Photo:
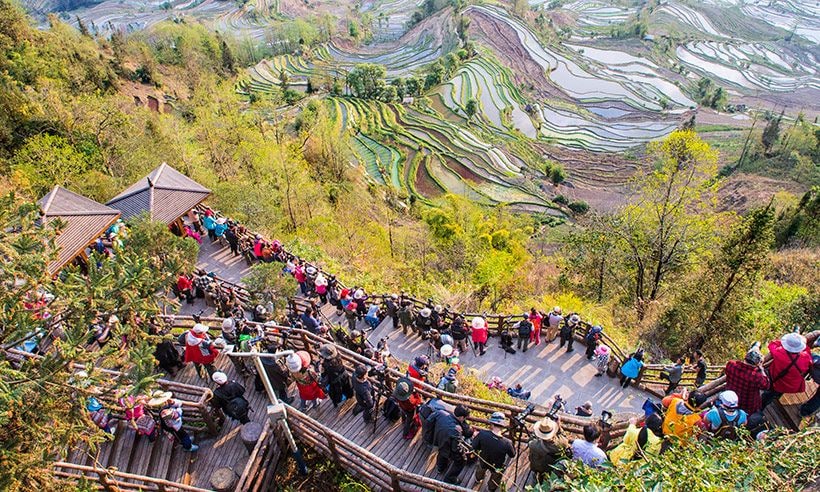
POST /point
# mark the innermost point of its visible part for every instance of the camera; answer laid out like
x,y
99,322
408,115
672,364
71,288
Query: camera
x,y
606,419
558,404
522,417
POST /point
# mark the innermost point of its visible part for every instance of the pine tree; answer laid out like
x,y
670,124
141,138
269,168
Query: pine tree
x,y
771,133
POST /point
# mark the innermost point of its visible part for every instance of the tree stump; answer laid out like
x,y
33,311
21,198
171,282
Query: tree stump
x,y
223,479
250,435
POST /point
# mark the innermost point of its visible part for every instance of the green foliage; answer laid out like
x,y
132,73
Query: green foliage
x,y
557,174
580,207
266,282
366,80
165,251
711,95
46,160
471,108
42,403
781,462
771,133
800,225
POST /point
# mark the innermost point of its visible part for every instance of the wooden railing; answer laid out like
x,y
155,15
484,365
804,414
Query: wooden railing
x,y
112,480
480,409
200,415
381,474
262,463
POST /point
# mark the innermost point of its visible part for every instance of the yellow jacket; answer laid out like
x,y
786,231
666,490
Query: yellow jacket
x,y
627,449
678,425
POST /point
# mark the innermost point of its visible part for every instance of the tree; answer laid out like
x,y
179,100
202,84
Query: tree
x,y
42,399
471,108
520,7
771,133
228,60
366,80
670,221
557,174
46,160
283,79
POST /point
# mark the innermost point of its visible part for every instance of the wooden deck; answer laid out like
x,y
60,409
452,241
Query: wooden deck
x,y
162,459
414,456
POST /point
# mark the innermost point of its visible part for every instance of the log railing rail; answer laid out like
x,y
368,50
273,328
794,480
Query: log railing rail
x,y
261,467
113,480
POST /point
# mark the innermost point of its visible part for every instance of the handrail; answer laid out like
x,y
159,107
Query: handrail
x,y
369,466
104,477
301,339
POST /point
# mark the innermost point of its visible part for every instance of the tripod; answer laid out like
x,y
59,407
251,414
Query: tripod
x,y
519,428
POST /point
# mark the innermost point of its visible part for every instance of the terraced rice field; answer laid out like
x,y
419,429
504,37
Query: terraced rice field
x,y
689,17
490,84
134,15
430,156
801,16
596,13
748,66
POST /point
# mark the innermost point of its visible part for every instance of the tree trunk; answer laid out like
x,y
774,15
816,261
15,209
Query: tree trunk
x,y
601,279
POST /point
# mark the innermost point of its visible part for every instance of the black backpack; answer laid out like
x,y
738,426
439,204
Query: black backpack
x,y
237,408
728,428
391,409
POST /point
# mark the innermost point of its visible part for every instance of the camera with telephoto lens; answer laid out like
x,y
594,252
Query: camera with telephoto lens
x,y
558,404
522,417
606,419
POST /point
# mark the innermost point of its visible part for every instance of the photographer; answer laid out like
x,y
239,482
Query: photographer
x,y
459,333
524,331
547,448
409,401
492,450
406,316
229,396
479,334
424,323
568,331
392,310
364,393
448,435
334,375
277,372
418,369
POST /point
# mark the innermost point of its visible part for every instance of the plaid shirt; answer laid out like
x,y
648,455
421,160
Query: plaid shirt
x,y
747,381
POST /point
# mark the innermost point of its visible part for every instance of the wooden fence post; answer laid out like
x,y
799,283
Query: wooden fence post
x,y
394,481
331,443
208,416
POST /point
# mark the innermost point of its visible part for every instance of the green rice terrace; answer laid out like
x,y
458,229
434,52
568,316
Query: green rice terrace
x,y
491,96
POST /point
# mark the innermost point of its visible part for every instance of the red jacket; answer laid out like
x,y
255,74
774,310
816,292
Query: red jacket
x,y
480,334
184,283
194,352
793,380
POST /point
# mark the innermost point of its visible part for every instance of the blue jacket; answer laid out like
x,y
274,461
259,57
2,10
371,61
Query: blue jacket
x,y
632,368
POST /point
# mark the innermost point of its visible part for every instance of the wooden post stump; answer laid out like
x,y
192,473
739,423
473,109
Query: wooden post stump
x,y
250,434
223,479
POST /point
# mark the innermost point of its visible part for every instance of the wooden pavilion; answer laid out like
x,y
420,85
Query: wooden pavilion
x,y
84,221
165,194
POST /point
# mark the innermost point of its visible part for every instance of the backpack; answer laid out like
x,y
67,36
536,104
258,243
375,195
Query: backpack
x,y
146,425
237,408
728,428
391,410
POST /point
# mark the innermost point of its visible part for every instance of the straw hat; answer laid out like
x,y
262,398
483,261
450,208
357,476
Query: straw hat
x,y
159,397
545,429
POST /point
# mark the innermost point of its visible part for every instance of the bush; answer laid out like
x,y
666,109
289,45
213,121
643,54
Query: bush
x,y
580,207
561,200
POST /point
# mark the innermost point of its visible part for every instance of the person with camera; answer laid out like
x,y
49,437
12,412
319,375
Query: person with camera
x,y
408,401
524,327
568,331
586,450
406,316
459,333
492,450
639,441
547,448
334,375
791,362
200,350
682,415
363,389
748,378
424,323
277,372
449,436
418,369
631,368
392,310
554,319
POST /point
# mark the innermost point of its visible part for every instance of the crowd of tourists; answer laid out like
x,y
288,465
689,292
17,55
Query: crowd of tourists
x,y
736,413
